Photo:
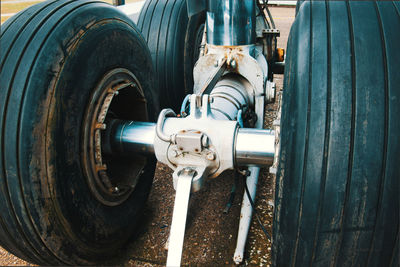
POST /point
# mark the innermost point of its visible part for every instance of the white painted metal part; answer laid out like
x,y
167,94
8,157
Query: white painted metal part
x,y
245,214
190,156
200,120
242,85
178,225
250,64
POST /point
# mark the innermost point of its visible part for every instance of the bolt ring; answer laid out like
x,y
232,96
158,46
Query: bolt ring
x,y
106,178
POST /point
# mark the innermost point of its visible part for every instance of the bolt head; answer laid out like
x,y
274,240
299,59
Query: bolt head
x,y
210,156
233,64
101,126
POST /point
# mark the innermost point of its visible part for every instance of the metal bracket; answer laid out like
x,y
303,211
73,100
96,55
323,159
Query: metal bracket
x,y
214,76
275,32
270,91
189,141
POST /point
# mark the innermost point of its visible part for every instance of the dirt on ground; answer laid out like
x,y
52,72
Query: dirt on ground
x,y
210,238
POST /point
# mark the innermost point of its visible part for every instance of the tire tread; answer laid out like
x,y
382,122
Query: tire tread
x,y
18,232
164,24
331,211
30,244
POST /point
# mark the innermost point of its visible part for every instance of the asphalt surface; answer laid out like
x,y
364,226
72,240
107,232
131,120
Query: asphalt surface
x,y
210,238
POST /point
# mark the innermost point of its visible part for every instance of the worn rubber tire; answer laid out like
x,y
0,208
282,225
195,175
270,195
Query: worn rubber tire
x,y
52,56
337,189
298,5
174,41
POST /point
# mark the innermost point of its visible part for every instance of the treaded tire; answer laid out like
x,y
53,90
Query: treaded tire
x,y
174,41
52,56
337,190
298,5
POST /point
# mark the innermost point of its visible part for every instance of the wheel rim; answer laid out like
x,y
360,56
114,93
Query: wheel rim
x,y
112,179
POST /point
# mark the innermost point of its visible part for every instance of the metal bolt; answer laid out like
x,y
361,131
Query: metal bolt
x,y
188,171
210,156
233,64
101,126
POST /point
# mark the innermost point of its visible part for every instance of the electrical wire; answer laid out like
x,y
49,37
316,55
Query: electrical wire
x,y
264,6
232,194
270,17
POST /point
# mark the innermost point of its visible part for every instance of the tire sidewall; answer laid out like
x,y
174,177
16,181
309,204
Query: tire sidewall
x,y
191,52
77,53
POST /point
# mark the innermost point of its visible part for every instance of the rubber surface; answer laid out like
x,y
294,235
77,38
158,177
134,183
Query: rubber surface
x,y
173,40
337,191
298,4
52,55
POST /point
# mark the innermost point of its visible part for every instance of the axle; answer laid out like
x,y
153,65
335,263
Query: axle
x,y
252,147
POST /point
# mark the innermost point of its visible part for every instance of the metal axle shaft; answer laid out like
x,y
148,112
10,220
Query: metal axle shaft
x,y
253,147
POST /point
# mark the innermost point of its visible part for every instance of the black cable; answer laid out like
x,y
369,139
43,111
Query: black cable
x,y
255,211
270,17
232,195
261,8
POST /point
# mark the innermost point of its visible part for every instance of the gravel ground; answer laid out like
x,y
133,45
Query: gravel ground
x,y
210,237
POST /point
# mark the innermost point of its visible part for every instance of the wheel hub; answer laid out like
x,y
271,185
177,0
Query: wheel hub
x,y
112,178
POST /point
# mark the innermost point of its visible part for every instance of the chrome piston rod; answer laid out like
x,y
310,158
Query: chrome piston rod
x,y
253,147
